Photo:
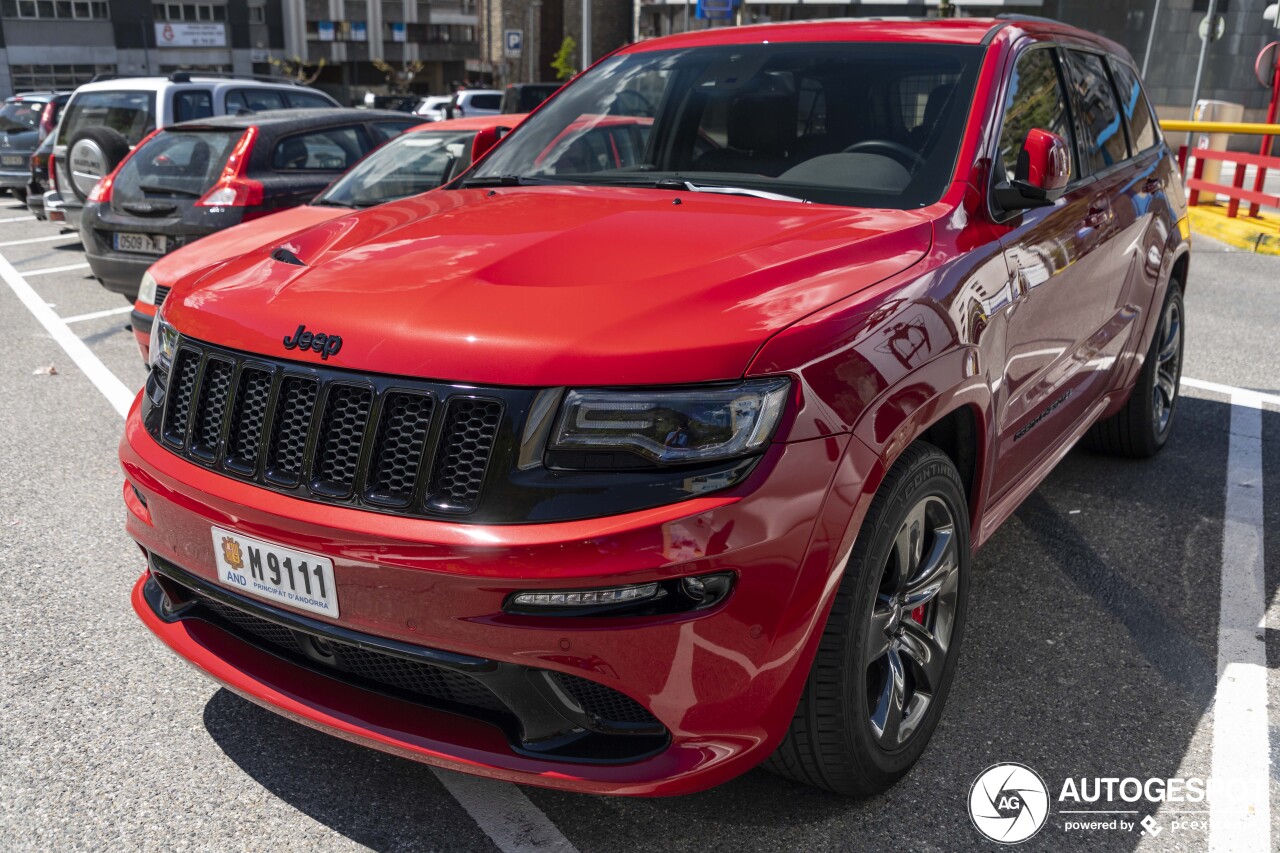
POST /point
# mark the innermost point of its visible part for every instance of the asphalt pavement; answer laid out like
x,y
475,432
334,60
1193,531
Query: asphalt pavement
x,y
1092,648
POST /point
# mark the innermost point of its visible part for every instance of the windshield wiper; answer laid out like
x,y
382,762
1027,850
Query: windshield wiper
x,y
509,181
332,202
715,188
686,186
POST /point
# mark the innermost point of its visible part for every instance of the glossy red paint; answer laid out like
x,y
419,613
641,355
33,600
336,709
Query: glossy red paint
x,y
888,322
210,252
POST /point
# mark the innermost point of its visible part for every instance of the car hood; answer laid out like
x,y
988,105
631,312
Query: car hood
x,y
545,286
223,246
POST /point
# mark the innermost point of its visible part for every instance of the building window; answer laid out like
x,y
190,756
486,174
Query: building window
x,y
189,12
41,78
80,10
257,14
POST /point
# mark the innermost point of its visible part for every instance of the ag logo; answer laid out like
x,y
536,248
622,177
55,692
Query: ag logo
x,y
1008,803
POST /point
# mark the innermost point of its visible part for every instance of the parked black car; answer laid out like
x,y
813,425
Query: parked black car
x,y
25,120
523,97
198,177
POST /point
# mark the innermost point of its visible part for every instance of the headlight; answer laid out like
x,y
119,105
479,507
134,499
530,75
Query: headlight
x,y
147,290
666,426
164,343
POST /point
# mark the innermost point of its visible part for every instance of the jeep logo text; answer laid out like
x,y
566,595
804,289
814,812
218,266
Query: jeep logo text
x,y
326,345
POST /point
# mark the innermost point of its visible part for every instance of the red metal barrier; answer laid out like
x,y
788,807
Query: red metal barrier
x,y
1236,191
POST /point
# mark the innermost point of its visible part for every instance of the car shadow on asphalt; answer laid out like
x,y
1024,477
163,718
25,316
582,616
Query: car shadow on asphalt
x,y
1090,651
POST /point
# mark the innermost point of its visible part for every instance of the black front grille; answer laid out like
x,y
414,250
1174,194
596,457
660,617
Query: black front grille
x,y
431,683
602,702
331,435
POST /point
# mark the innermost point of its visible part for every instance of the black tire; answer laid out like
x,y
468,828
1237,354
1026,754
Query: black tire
x,y
102,146
1142,427
832,742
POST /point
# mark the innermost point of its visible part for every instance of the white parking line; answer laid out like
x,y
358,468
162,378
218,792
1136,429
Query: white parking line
x,y
72,236
17,218
97,315
1244,396
1241,822
116,392
505,814
500,809
47,270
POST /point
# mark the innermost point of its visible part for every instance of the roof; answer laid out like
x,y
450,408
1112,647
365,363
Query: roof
x,y
150,84
973,31
937,30
294,118
471,123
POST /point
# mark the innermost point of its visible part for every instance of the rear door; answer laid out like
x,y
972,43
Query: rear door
x,y
299,165
1063,278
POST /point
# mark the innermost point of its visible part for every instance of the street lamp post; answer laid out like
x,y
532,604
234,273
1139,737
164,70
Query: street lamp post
x,y
586,34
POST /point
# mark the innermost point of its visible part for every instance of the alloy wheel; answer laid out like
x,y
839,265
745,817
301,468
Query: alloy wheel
x,y
912,621
1164,391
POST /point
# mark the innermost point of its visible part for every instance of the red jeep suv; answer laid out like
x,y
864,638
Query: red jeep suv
x,y
627,462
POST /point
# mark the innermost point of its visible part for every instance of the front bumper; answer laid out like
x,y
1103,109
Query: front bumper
x,y
722,683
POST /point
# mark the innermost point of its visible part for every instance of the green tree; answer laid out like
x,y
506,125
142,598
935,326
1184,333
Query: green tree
x,y
563,62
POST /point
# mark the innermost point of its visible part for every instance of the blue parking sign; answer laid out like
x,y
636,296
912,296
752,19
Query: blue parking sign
x,y
512,43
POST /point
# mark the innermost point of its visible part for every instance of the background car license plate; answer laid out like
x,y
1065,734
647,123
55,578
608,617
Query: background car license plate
x,y
11,160
275,573
151,244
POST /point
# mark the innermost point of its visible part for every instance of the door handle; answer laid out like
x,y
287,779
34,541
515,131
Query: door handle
x,y
1098,215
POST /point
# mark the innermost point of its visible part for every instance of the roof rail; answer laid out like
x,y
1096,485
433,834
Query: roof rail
x,y
186,77
1038,19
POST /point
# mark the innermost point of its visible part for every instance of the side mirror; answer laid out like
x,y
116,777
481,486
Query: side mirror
x,y
486,139
1042,173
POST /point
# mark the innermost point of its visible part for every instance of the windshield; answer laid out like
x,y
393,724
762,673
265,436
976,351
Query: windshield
x,y
175,165
858,124
411,164
20,116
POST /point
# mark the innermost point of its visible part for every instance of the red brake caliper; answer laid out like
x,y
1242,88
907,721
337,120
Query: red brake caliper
x,y
918,614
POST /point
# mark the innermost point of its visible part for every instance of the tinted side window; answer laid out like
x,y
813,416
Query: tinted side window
x,y
256,100
1102,142
384,130
192,104
308,101
486,102
1142,123
1035,99
333,150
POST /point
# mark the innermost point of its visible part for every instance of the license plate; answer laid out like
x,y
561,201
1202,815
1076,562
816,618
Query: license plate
x,y
150,244
11,160
275,573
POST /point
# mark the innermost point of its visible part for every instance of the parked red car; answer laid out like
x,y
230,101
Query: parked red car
x,y
627,479
420,159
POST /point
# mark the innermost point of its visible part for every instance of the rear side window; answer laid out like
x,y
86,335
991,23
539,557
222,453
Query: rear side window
x,y
1142,123
308,101
485,102
175,164
254,101
192,104
384,130
335,149
1102,142
130,114
1036,99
